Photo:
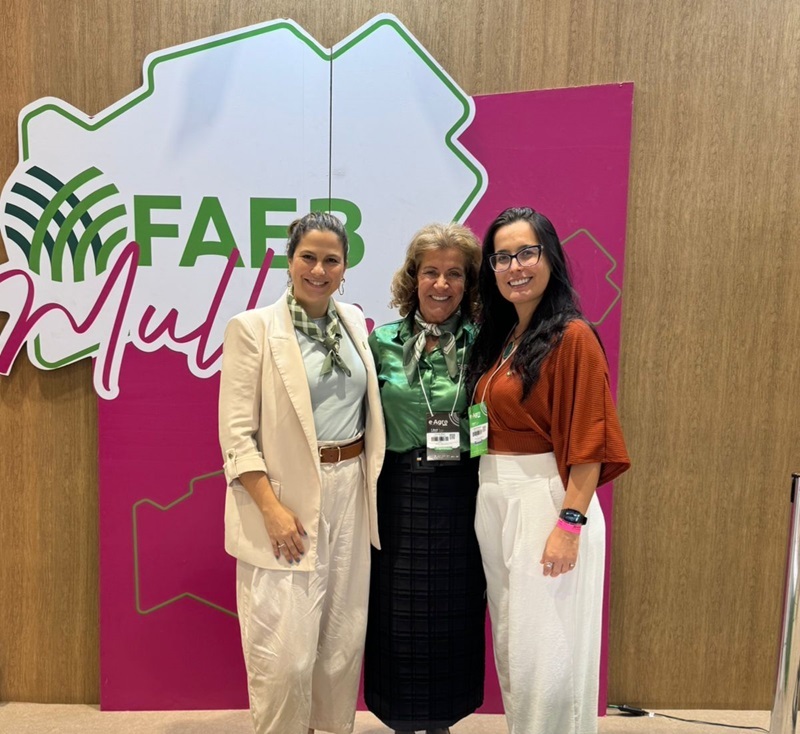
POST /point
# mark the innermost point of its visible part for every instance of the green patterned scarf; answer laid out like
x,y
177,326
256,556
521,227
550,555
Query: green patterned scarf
x,y
330,338
414,345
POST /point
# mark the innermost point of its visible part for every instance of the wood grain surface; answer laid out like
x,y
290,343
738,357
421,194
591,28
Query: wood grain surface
x,y
710,369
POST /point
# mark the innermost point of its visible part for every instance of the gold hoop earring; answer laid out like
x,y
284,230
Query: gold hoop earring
x,y
341,287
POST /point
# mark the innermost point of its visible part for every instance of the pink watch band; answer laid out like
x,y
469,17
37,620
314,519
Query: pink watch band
x,y
569,527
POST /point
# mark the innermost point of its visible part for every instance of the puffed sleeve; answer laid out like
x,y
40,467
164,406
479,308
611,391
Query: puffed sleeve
x,y
375,348
240,400
585,428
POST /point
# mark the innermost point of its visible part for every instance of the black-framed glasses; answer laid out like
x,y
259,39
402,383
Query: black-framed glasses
x,y
527,256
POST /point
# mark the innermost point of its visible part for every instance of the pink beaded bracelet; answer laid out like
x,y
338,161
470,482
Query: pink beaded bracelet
x,y
569,527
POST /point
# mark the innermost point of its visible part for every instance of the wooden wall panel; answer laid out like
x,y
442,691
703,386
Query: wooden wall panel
x,y
48,536
709,381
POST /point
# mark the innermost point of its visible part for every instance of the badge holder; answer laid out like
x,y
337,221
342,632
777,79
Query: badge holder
x,y
442,430
478,430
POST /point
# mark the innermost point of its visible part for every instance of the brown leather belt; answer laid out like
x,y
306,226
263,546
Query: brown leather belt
x,y
335,454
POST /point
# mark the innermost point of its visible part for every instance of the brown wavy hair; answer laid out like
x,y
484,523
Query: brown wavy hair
x,y
428,239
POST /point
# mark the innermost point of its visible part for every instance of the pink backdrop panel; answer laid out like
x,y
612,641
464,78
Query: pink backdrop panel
x,y
168,625
169,633
566,153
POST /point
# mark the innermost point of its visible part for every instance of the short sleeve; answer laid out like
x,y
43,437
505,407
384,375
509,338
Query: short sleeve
x,y
585,427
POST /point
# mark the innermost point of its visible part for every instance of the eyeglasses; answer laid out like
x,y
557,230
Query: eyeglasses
x,y
530,255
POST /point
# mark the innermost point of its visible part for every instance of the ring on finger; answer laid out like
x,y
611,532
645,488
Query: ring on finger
x,y
549,564
572,565
281,545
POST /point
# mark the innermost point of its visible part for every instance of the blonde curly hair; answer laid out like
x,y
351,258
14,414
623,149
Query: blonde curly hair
x,y
428,239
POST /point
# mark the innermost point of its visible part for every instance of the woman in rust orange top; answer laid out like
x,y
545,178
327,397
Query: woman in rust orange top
x,y
541,379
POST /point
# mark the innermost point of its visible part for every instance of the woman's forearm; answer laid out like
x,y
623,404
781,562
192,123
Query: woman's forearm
x,y
259,488
581,486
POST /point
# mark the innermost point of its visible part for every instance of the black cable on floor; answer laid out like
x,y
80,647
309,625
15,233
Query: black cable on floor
x,y
634,711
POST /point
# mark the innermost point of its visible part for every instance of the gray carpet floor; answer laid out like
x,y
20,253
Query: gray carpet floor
x,y
30,718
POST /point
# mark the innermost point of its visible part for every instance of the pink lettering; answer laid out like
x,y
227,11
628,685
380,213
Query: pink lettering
x,y
203,332
124,270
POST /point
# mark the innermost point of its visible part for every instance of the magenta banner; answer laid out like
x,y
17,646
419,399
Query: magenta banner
x,y
565,152
170,637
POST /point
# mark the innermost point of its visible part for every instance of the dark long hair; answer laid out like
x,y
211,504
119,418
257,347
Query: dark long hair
x,y
559,305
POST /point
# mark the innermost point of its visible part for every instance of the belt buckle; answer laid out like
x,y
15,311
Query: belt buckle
x,y
420,463
326,448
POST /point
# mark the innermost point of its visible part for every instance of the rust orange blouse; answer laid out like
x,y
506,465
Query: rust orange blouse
x,y
569,410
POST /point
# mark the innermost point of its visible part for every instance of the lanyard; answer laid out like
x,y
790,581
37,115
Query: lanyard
x,y
497,369
458,389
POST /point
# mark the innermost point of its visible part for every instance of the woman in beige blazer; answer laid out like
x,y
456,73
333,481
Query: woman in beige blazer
x,y
301,431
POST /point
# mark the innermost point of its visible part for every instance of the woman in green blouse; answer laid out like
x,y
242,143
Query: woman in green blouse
x,y
424,660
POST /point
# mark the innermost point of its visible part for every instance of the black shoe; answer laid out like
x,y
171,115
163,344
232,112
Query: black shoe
x,y
446,730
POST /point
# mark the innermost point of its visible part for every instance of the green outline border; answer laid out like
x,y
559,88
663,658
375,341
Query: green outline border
x,y
613,267
431,63
150,81
296,30
185,595
42,362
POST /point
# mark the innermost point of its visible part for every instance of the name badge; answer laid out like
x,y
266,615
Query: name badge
x,y
478,430
443,438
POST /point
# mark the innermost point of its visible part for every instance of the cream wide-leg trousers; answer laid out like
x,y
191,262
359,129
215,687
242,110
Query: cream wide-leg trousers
x,y
303,632
546,631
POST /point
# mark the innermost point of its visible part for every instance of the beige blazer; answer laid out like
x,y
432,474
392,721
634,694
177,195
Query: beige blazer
x,y
266,424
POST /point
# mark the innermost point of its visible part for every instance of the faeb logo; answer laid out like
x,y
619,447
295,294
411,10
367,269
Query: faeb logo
x,y
45,217
211,217
153,222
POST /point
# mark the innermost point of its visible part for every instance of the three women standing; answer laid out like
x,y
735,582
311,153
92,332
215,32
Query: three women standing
x,y
424,663
541,379
301,429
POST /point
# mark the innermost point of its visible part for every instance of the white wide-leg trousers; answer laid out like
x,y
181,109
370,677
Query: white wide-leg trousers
x,y
546,631
303,632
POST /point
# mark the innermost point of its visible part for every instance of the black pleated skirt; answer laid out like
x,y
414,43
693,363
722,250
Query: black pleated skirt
x,y
424,658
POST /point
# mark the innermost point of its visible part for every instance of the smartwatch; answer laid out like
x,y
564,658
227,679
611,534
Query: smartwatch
x,y
573,517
